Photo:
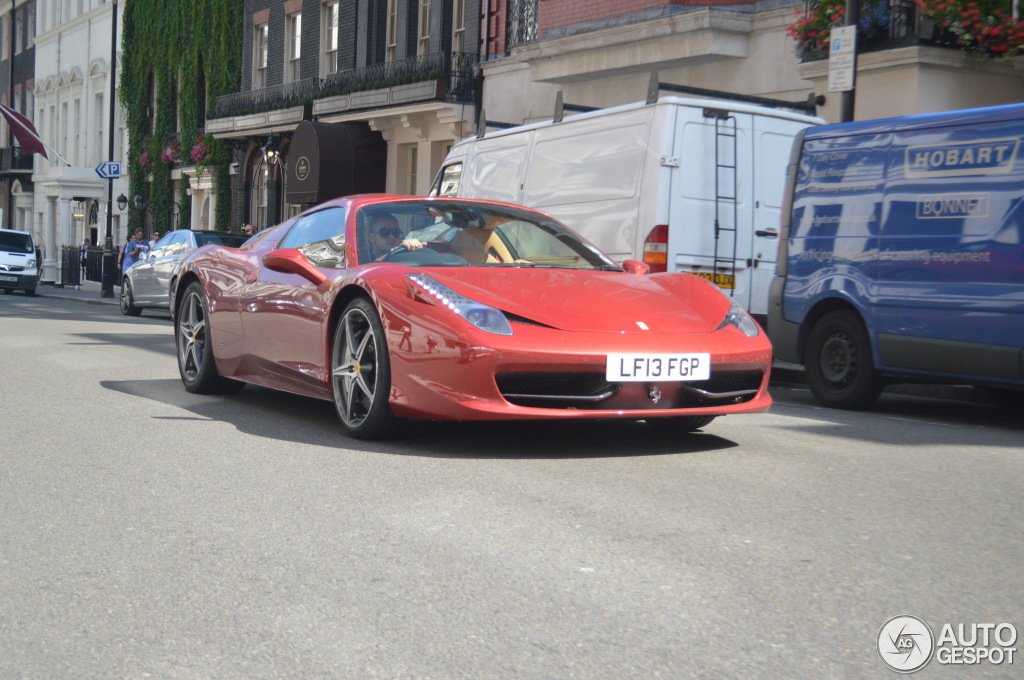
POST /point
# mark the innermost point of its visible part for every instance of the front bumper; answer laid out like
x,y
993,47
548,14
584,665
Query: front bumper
x,y
21,281
545,374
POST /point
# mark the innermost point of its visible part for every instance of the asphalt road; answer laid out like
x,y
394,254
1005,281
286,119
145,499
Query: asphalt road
x,y
149,533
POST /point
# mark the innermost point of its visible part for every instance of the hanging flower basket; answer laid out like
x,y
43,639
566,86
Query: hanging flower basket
x,y
199,151
811,29
171,154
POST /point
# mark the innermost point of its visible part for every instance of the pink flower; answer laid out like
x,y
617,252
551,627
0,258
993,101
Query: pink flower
x,y
199,151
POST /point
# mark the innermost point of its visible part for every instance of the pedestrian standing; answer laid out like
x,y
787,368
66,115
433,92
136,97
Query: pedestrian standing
x,y
83,253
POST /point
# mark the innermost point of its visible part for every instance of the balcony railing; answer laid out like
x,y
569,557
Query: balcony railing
x,y
11,158
266,99
887,26
454,69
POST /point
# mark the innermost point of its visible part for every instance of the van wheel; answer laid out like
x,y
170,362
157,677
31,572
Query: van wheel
x,y
840,371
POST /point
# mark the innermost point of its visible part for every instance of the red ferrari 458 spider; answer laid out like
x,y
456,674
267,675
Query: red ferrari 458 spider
x,y
402,308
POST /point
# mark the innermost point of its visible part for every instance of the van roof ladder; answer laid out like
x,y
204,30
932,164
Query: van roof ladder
x,y
809,107
482,124
561,107
726,195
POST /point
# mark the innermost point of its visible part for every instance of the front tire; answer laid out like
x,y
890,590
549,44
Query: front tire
x,y
195,349
840,371
361,373
128,307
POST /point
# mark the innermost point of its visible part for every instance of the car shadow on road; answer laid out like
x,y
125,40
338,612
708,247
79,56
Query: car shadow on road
x,y
959,416
272,414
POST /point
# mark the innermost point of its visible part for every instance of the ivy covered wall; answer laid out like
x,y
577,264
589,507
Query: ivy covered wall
x,y
177,58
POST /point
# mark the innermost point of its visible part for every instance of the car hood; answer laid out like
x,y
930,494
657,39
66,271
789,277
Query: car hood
x,y
581,300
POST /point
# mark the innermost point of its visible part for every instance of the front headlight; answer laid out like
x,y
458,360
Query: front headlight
x,y
31,264
484,317
737,316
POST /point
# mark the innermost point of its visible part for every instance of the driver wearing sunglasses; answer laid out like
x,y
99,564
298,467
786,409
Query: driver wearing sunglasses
x,y
386,235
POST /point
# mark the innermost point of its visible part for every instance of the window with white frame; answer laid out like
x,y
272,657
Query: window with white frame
x,y
259,56
329,39
459,26
5,32
423,39
391,48
293,47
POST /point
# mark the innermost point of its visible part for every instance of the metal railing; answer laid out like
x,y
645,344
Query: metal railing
x,y
94,265
522,22
266,98
890,25
454,69
11,158
70,266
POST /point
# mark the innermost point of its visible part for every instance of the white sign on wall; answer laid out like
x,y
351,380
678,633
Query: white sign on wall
x,y
842,57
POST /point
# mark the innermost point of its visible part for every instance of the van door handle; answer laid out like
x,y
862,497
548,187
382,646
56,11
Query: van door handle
x,y
765,232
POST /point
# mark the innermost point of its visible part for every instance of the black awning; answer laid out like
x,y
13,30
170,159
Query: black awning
x,y
328,160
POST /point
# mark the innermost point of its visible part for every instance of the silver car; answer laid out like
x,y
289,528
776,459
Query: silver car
x,y
148,282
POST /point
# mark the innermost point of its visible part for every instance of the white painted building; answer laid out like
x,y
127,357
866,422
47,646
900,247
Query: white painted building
x,y
72,113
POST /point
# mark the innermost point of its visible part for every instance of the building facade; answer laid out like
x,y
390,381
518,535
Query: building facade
x,y
396,79
602,53
17,77
71,94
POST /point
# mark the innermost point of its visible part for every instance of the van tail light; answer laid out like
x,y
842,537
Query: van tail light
x,y
656,249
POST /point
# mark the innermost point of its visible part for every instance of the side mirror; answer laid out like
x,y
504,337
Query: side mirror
x,y
291,261
636,267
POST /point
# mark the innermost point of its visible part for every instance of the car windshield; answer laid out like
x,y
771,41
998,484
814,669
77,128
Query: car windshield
x,y
15,243
230,240
449,233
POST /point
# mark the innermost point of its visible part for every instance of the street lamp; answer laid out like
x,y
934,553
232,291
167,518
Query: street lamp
x,y
270,151
140,203
109,261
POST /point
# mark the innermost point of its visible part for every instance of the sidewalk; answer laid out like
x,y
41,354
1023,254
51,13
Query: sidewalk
x,y
88,292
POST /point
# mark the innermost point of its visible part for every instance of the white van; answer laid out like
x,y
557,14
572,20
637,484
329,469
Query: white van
x,y
18,262
683,184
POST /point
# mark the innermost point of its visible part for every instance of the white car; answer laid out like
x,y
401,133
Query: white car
x,y
148,283
18,264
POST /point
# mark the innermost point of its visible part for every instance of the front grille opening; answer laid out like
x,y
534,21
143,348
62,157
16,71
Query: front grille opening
x,y
567,390
555,390
722,388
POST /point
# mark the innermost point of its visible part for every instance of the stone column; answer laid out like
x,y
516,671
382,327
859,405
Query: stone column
x,y
50,239
64,225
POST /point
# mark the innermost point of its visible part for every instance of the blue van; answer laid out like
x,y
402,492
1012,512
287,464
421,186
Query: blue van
x,y
901,257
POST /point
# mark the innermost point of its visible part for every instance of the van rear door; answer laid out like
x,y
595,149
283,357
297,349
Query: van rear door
x,y
709,212
772,142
